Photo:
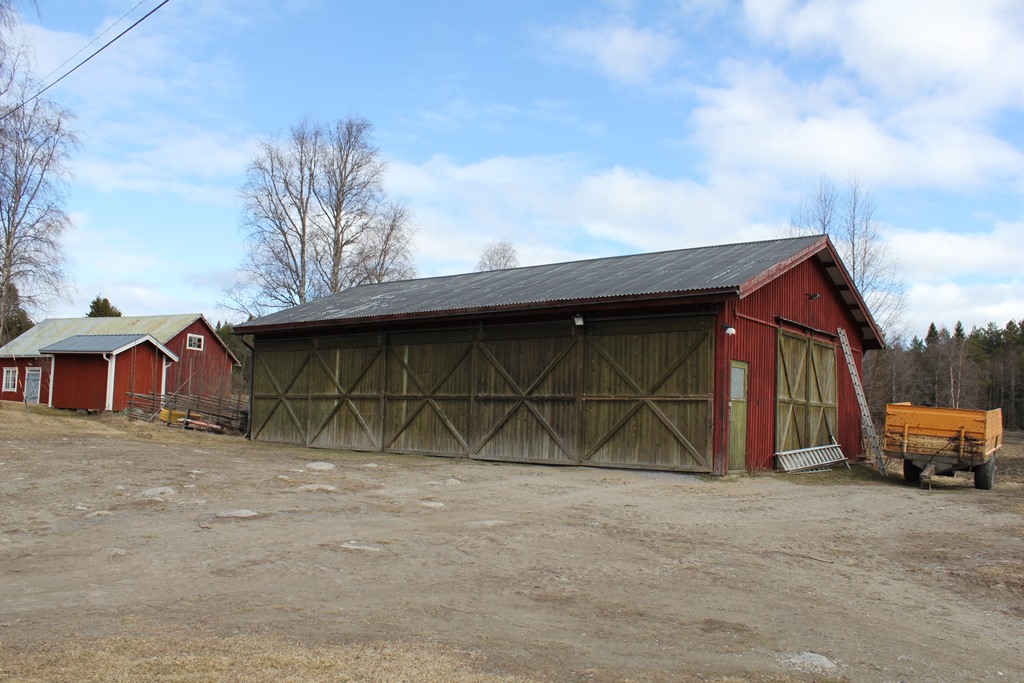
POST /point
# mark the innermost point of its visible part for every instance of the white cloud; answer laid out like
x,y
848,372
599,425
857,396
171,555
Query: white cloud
x,y
148,108
974,305
760,119
624,54
910,48
936,256
558,208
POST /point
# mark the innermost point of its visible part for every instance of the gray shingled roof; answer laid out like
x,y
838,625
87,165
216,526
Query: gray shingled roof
x,y
102,343
724,268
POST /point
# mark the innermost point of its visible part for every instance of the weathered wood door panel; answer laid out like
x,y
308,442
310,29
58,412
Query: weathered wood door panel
x,y
620,394
346,381
525,402
806,394
280,391
648,394
428,392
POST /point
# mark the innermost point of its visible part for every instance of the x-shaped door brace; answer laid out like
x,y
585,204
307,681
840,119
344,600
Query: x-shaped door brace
x,y
281,393
345,398
792,378
644,400
523,397
429,400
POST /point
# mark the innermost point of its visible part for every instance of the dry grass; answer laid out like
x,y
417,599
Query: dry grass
x,y
859,473
175,659
262,659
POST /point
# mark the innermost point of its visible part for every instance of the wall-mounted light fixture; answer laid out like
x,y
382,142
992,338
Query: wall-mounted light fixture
x,y
729,330
813,295
578,319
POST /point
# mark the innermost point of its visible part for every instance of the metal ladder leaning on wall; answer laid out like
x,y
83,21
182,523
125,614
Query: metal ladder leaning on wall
x,y
867,426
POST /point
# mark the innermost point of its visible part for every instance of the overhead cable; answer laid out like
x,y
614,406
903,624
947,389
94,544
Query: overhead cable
x,y
82,63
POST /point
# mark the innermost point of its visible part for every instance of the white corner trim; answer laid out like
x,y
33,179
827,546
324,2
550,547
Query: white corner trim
x,y
111,369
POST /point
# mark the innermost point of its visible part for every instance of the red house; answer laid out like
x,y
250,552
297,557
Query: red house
x,y
710,359
169,354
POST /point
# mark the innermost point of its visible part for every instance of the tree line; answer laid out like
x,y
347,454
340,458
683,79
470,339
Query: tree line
x,y
980,369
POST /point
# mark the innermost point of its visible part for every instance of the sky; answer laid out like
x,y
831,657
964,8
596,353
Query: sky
x,y
573,129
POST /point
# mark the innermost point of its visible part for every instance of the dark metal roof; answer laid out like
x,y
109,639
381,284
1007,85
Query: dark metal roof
x,y
723,268
103,343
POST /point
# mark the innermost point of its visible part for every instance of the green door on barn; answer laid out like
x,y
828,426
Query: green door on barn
x,y
647,394
806,396
738,414
428,393
321,392
525,394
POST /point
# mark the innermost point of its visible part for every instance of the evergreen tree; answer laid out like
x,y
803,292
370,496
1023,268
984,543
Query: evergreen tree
x,y
14,319
100,307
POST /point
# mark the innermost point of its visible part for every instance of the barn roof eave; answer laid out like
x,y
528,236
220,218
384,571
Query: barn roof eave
x,y
577,305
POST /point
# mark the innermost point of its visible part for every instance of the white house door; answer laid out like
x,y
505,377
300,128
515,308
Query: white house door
x,y
32,376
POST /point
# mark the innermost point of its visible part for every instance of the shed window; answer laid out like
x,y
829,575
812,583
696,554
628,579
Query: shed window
x,y
194,342
10,379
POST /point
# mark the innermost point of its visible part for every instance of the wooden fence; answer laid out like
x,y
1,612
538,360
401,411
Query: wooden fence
x,y
228,412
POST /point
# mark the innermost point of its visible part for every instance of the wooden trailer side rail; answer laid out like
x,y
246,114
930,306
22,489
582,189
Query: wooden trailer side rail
x,y
944,434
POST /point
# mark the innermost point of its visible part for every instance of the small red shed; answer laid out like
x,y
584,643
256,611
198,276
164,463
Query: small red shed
x,y
97,371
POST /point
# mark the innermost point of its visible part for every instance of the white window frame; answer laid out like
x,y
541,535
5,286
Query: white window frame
x,y
191,339
10,379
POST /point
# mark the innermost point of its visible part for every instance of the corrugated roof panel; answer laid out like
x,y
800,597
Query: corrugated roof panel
x,y
721,267
92,343
52,330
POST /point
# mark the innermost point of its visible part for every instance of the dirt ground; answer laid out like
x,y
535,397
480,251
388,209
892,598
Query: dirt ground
x,y
125,555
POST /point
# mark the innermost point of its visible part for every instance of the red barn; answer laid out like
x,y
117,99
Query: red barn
x,y
701,360
201,363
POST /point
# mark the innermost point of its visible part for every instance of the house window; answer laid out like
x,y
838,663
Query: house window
x,y
10,379
194,342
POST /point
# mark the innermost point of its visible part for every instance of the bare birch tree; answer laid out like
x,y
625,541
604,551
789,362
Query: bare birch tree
x,y
350,194
385,252
847,214
318,219
36,140
279,220
498,255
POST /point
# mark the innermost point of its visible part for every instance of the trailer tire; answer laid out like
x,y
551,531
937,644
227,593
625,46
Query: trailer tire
x,y
911,472
985,474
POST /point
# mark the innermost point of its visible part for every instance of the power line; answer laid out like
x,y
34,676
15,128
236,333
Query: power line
x,y
83,62
86,46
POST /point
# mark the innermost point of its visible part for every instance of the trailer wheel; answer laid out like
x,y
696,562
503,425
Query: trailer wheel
x,y
911,472
985,474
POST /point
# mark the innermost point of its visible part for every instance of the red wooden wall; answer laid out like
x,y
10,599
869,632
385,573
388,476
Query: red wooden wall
x,y
755,341
80,382
22,364
199,373
138,370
